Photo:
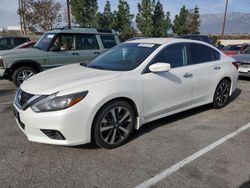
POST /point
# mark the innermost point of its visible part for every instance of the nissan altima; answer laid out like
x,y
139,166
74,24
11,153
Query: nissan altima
x,y
131,84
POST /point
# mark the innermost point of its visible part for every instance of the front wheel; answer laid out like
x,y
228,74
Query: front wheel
x,y
113,125
22,74
221,95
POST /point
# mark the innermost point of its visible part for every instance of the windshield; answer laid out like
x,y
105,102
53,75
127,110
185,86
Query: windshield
x,y
232,47
44,42
124,57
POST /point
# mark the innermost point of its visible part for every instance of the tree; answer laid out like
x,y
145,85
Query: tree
x,y
105,19
40,14
46,14
160,21
144,18
168,21
122,20
194,21
85,12
180,22
187,22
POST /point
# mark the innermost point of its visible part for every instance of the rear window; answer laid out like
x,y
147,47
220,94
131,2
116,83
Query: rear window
x,y
201,54
18,41
108,41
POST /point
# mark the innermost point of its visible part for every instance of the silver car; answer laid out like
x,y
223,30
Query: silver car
x,y
243,60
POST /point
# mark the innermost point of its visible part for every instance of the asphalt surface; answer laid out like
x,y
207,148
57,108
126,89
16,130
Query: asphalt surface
x,y
155,147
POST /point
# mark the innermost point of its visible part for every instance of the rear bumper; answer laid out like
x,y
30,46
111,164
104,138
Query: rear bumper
x,y
244,74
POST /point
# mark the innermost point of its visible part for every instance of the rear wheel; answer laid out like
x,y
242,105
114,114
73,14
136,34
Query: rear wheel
x,y
221,94
22,74
113,125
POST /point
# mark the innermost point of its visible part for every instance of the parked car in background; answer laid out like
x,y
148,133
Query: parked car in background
x,y
10,42
133,83
235,49
219,46
232,49
55,48
203,38
29,44
243,61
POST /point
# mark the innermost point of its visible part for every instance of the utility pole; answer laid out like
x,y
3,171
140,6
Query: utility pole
x,y
224,21
68,14
20,15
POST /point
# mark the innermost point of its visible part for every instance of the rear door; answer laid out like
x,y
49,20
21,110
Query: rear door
x,y
87,47
206,70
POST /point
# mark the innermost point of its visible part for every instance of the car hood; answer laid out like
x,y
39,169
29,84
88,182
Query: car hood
x,y
244,58
59,79
25,52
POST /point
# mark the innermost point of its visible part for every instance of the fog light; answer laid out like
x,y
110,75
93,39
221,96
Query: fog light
x,y
53,134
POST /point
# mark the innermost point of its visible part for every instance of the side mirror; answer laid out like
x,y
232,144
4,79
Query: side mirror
x,y
160,67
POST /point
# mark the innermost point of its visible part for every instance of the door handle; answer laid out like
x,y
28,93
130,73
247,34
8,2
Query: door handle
x,y
188,75
75,53
96,52
217,67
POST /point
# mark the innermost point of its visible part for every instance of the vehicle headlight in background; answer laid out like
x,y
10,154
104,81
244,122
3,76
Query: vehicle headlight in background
x,y
54,103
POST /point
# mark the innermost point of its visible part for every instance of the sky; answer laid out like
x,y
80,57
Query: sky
x,y
9,17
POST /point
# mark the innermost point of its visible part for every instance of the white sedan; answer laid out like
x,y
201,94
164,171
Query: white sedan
x,y
131,84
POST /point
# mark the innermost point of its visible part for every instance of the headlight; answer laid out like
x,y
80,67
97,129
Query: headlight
x,y
54,103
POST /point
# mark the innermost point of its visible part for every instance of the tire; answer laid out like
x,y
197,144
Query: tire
x,y
113,124
21,74
221,95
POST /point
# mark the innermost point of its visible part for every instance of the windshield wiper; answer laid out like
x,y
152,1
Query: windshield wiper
x,y
83,64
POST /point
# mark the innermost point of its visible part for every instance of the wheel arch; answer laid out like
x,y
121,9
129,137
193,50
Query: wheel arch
x,y
27,63
126,99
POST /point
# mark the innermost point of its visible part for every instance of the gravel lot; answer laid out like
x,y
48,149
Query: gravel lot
x,y
154,148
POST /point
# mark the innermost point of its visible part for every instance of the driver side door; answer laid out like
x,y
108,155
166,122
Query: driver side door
x,y
65,52
166,92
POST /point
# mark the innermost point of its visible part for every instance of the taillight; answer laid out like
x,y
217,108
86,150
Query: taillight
x,y
1,63
236,65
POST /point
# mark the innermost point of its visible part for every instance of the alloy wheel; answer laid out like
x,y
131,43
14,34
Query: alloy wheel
x,y
222,94
115,125
24,75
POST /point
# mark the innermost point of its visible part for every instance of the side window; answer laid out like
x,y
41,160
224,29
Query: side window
x,y
247,51
201,53
63,42
175,55
108,41
86,42
5,42
18,41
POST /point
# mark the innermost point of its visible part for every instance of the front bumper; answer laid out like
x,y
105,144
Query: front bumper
x,y
73,123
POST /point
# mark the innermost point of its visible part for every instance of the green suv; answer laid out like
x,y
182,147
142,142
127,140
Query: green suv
x,y
55,48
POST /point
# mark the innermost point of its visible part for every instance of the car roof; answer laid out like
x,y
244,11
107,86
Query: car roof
x,y
12,36
83,30
163,40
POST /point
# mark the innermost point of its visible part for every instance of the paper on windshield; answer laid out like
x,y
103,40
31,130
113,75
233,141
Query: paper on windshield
x,y
147,45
